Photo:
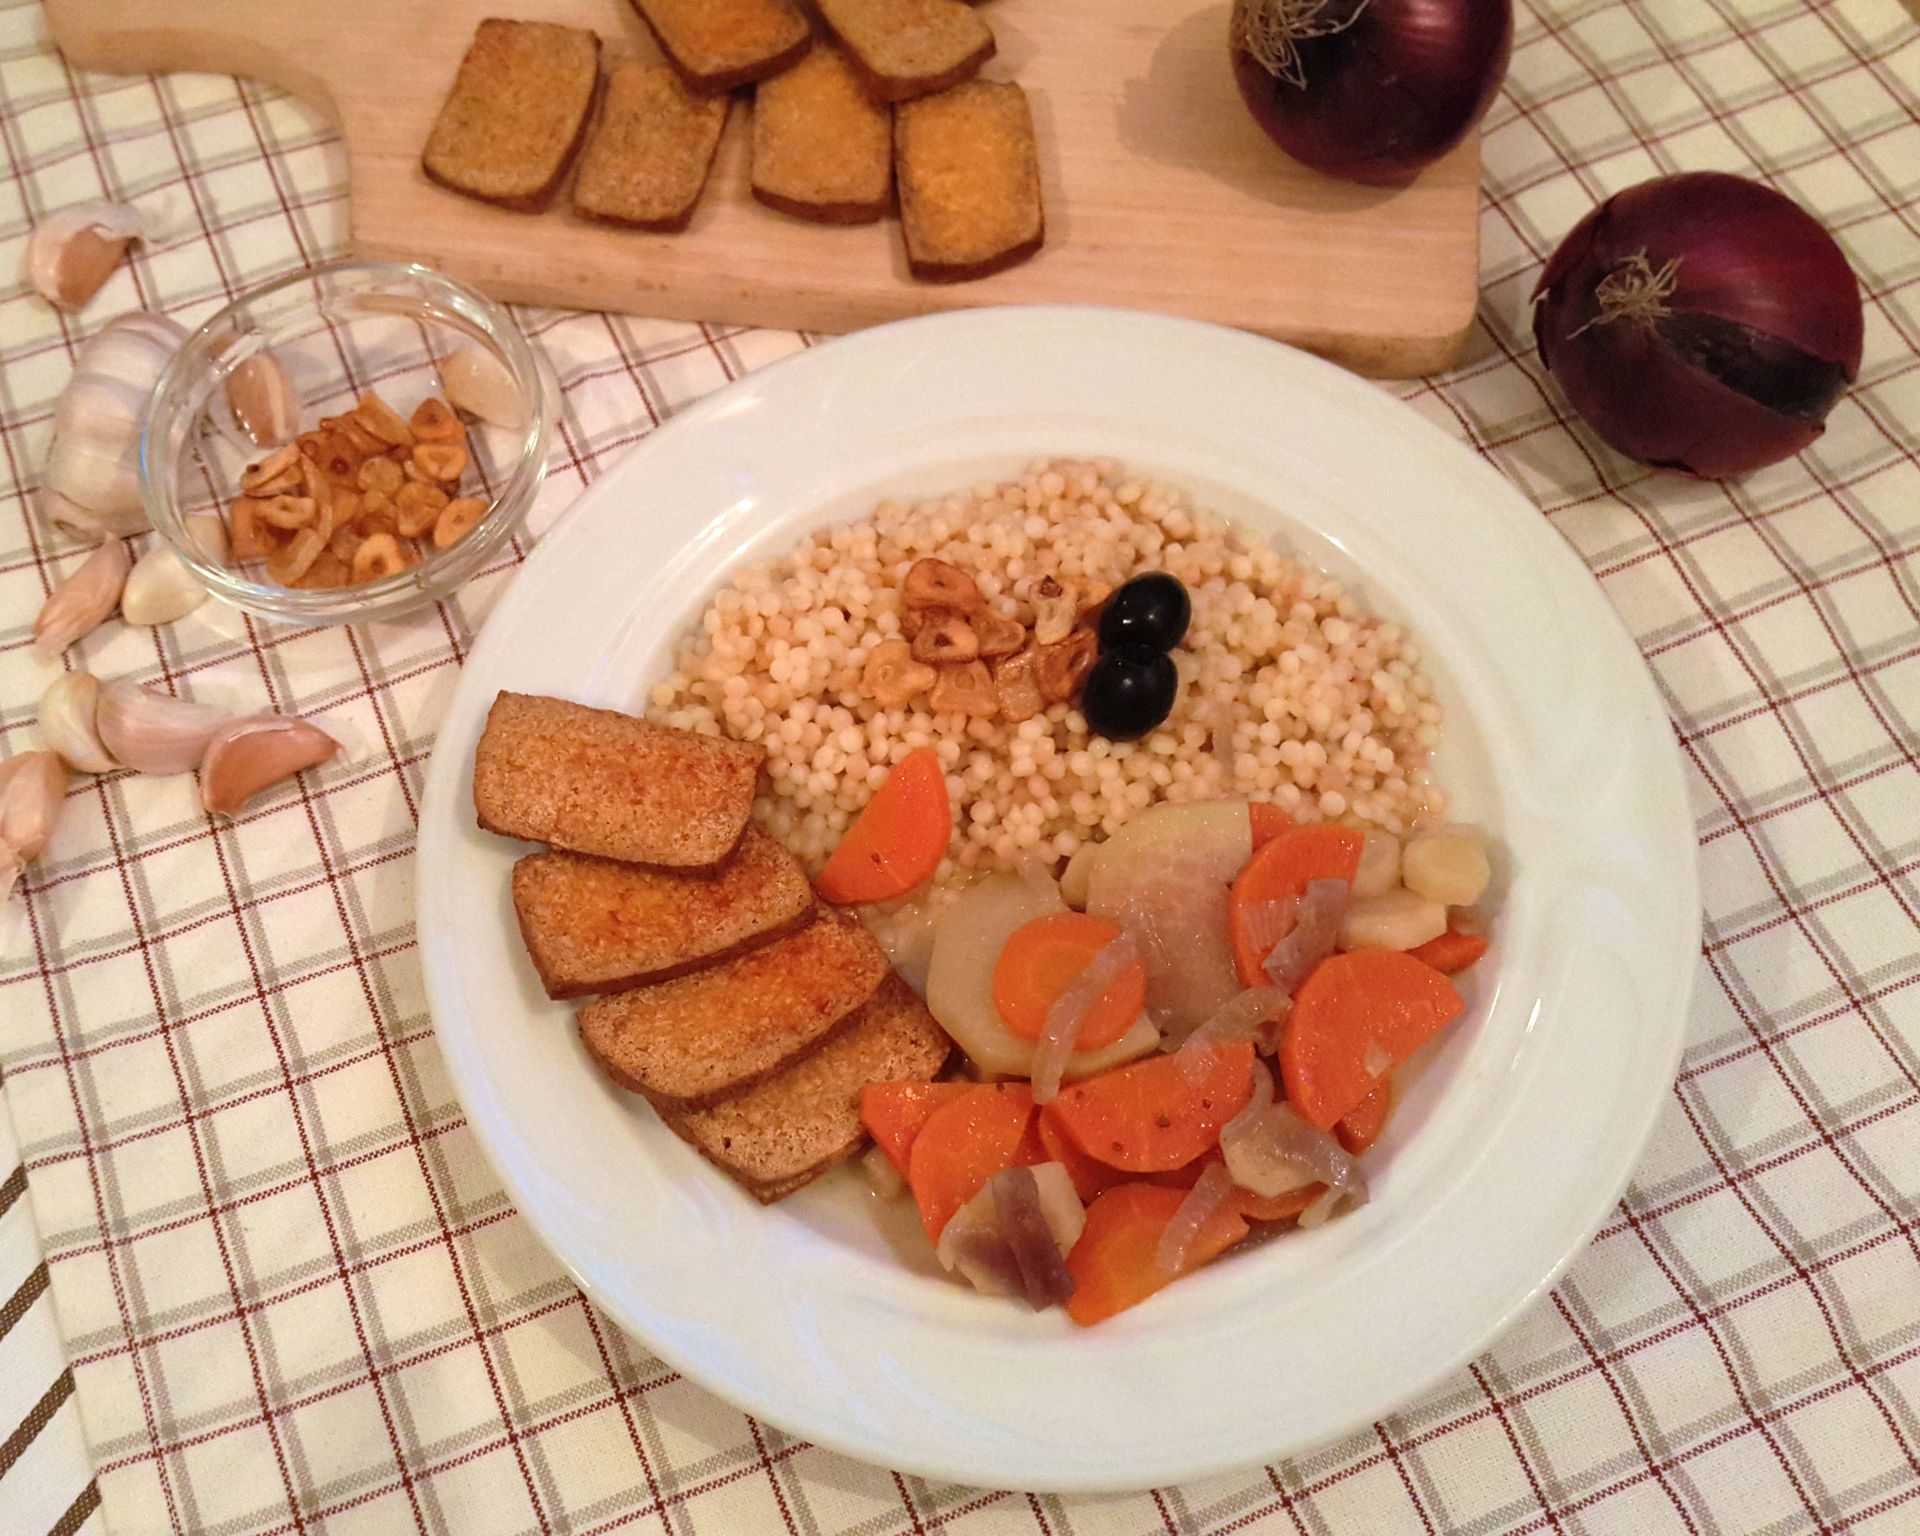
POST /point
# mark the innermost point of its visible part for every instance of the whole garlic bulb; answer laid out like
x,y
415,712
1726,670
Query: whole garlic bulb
x,y
73,251
93,463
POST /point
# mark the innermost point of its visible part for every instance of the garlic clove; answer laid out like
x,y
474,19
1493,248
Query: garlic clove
x,y
82,602
263,400
33,788
208,536
71,253
98,476
85,523
152,732
474,379
250,755
160,589
67,722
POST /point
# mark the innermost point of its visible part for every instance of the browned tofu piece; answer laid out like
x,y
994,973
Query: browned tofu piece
x,y
969,176
799,1123
598,925
718,44
650,152
597,781
697,1039
907,48
517,112
822,147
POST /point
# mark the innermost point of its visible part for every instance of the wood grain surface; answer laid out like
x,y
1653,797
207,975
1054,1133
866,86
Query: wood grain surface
x,y
1161,193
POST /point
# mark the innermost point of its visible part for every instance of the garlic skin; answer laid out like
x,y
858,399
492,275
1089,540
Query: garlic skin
x,y
153,733
33,788
93,462
67,723
474,379
84,523
72,253
160,589
253,754
82,602
264,401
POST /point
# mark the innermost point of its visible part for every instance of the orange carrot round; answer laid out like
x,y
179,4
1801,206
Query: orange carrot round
x,y
1090,1176
1269,821
898,840
1158,1113
1355,1018
1116,1263
962,1145
1043,958
894,1113
1281,869
1452,952
1360,1127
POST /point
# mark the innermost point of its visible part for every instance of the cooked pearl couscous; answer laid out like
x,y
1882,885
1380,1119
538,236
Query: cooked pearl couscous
x,y
1288,690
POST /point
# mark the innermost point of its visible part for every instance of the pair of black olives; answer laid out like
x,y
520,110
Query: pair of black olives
x,y
1131,687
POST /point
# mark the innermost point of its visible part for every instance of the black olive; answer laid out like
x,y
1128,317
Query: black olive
x,y
1129,692
1151,610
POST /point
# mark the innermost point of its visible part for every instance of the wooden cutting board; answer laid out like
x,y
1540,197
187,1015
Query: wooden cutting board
x,y
1161,193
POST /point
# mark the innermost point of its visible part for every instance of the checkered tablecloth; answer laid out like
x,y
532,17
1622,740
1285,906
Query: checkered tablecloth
x,y
291,1293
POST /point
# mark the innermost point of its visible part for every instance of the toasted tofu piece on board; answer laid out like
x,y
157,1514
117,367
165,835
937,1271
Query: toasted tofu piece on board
x,y
648,157
517,113
968,170
697,1039
793,1127
598,925
597,781
822,147
718,44
907,48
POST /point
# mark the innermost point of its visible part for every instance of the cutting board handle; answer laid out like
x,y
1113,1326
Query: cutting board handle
x,y
226,37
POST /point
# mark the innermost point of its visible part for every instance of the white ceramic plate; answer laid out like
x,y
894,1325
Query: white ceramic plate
x,y
1507,1152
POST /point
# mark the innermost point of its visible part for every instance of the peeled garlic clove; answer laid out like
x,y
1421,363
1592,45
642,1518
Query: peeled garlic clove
x,y
67,723
263,400
33,788
249,755
153,733
475,380
160,589
82,602
72,253
208,535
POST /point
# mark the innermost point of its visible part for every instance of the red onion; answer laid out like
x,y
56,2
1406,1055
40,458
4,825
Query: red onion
x,y
1700,322
1044,1275
1369,90
1208,1194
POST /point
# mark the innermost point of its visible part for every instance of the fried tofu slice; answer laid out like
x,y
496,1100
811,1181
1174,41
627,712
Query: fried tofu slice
x,y
968,169
718,44
698,1039
822,147
907,48
598,925
597,781
793,1127
650,152
517,112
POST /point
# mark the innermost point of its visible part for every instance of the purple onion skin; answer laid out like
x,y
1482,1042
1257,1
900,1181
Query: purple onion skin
x,y
1390,94
1763,336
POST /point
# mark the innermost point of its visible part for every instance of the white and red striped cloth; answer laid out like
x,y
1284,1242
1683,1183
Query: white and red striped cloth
x,y
292,1296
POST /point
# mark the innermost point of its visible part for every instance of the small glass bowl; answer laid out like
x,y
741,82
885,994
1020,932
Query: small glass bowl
x,y
340,331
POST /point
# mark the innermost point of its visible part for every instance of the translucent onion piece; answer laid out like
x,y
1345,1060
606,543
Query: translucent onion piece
x,y
1023,1224
1271,1150
1069,1011
1322,905
1250,1015
1209,1192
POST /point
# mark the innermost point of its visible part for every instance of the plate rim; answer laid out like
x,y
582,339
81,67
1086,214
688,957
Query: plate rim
x,y
444,780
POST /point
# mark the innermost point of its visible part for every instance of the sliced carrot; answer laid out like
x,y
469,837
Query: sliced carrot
x,y
893,1113
1032,1150
1254,1207
1116,1263
898,840
1269,821
962,1145
1355,1018
1041,959
1452,952
1280,869
1090,1176
1158,1113
1360,1127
